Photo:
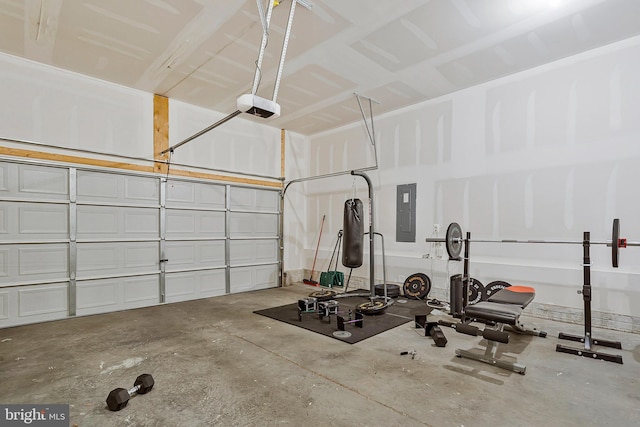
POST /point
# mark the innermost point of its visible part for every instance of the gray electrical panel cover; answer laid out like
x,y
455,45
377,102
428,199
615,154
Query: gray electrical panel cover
x,y
406,213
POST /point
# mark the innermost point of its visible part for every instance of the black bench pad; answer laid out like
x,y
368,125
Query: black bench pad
x,y
497,312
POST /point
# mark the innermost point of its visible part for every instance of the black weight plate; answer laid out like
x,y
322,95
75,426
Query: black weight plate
x,y
493,287
371,307
453,240
475,291
615,242
393,291
323,295
417,286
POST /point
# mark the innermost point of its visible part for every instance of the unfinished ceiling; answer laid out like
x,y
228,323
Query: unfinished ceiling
x,y
398,52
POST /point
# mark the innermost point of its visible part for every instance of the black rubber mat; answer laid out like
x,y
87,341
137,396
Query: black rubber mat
x,y
395,315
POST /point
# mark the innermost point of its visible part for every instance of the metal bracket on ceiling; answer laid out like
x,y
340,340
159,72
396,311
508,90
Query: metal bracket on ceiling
x,y
364,117
370,131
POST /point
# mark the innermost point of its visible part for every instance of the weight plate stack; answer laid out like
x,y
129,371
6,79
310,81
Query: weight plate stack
x,y
371,307
323,295
393,291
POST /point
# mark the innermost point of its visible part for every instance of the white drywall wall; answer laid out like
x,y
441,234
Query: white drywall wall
x,y
49,106
543,154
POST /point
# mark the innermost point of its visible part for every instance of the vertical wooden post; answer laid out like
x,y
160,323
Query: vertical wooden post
x,y
160,131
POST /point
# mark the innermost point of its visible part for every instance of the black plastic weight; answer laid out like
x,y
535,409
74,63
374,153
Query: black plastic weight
x,y
118,398
431,329
615,242
492,288
417,286
393,290
476,289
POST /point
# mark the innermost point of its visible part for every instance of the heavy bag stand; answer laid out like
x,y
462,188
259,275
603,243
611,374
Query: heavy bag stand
x,y
376,304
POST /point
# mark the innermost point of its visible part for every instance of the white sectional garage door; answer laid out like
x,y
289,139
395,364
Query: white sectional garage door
x,y
80,241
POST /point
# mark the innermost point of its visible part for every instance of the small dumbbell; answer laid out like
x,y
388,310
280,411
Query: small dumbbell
x,y
119,397
358,322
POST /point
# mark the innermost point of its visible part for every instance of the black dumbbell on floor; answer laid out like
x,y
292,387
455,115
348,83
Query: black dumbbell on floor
x,y
119,397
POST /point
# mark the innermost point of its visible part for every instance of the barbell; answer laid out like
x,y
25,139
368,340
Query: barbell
x,y
453,241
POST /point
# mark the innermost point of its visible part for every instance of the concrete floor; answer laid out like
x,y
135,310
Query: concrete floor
x,y
217,363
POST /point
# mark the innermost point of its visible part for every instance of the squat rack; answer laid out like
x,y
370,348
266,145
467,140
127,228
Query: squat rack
x,y
453,242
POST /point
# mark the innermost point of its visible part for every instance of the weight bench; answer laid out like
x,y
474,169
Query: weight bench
x,y
502,309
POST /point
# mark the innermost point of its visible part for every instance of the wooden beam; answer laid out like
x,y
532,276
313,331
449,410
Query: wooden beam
x,y
236,179
28,154
16,152
160,131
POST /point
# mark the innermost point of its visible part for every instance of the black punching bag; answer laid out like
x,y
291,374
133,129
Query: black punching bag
x,y
353,238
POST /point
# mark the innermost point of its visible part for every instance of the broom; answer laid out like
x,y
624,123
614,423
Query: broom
x,y
311,281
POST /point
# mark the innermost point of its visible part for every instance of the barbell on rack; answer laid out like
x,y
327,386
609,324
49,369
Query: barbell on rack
x,y
453,241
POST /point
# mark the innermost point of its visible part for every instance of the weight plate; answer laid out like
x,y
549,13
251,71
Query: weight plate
x,y
475,291
615,242
453,240
492,288
323,295
393,291
342,334
417,286
371,307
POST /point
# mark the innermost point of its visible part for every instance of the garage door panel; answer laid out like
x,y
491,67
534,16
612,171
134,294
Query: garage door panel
x,y
253,251
117,258
4,262
141,221
194,224
101,187
43,300
244,224
185,194
245,279
5,187
118,293
141,291
252,199
4,305
43,260
43,181
52,221
28,263
22,181
98,293
113,222
30,304
195,254
24,220
4,219
194,285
